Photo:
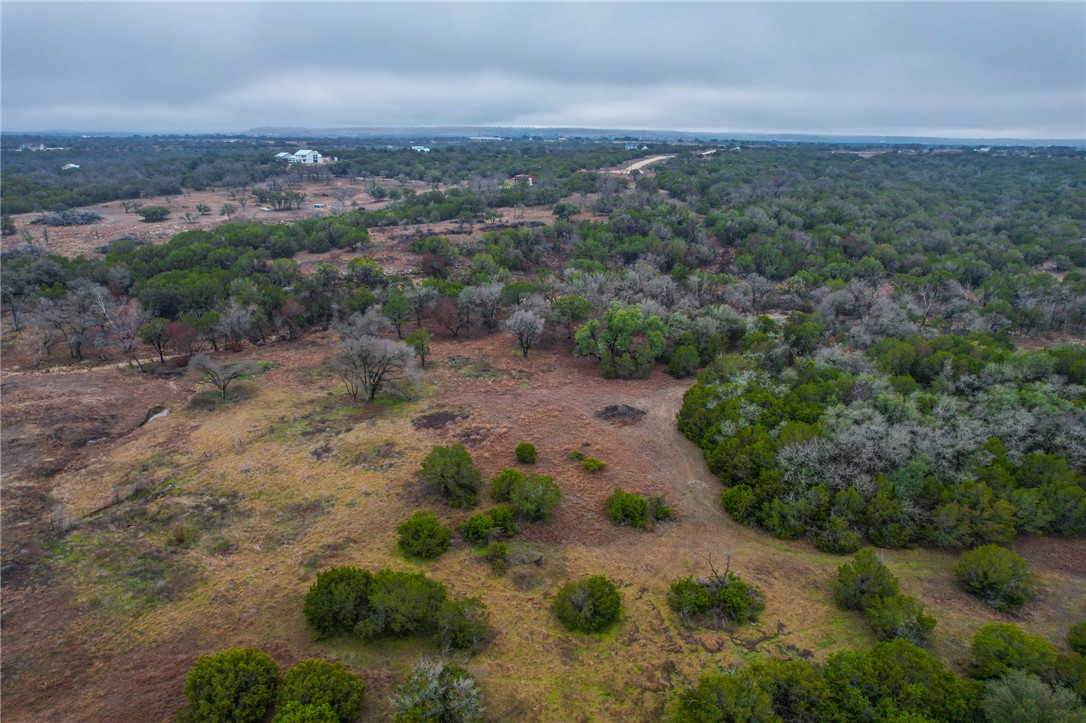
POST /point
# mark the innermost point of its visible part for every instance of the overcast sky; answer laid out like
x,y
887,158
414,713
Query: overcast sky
x,y
935,69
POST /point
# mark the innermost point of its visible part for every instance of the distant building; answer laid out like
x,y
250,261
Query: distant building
x,y
305,156
420,149
68,166
524,178
282,156
631,146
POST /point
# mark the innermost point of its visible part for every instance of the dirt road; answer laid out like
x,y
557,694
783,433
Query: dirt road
x,y
638,165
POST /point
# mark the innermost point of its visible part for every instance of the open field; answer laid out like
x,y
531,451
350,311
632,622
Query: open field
x,y
102,621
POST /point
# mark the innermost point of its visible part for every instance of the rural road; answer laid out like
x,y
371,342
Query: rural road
x,y
638,165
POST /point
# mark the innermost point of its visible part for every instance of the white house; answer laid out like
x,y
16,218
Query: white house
x,y
282,156
305,156
69,166
420,149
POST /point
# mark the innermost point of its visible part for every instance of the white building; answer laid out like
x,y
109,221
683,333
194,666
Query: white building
x,y
305,156
420,149
68,166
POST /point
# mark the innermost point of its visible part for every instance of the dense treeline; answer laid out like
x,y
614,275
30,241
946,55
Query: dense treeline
x,y
982,444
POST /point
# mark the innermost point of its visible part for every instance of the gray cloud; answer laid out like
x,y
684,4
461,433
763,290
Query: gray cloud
x,y
977,69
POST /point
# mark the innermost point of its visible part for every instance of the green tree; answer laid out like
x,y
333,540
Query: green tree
x,y
337,601
235,684
423,536
398,310
151,214
569,310
590,605
451,471
419,340
324,683
998,647
997,576
154,333
864,580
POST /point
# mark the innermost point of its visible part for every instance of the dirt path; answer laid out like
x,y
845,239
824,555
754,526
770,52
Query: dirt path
x,y
638,165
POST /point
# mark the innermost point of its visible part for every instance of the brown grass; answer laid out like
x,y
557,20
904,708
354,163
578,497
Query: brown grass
x,y
288,481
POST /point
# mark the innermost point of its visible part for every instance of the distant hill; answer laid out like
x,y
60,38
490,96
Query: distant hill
x,y
643,135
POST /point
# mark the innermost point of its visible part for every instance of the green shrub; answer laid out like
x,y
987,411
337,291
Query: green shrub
x,y
659,509
295,712
739,502
437,692
478,528
997,576
422,536
896,681
724,697
998,647
863,580
797,688
504,524
496,554
525,453
900,616
725,597
533,496
337,601
590,605
1022,697
235,684
1071,673
576,455
321,682
1076,637
401,604
684,362
451,471
464,625
837,538
626,508
592,464
501,485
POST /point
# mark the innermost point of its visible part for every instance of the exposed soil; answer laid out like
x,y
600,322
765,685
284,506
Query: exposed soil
x,y
620,414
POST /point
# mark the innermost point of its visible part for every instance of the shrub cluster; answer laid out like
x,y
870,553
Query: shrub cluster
x,y
716,599
997,576
349,601
482,527
242,684
1013,661
451,471
894,680
526,453
627,508
867,584
532,496
590,605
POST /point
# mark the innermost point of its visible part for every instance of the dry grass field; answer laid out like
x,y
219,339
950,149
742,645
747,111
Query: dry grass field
x,y
204,529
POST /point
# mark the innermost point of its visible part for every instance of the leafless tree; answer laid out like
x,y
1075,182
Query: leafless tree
x,y
526,327
366,364
220,376
125,328
235,324
421,299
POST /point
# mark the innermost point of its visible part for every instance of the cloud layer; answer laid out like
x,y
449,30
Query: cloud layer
x,y
971,69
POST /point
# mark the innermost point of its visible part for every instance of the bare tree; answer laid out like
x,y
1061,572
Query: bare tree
x,y
235,324
526,327
125,326
220,376
421,298
366,364
358,325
